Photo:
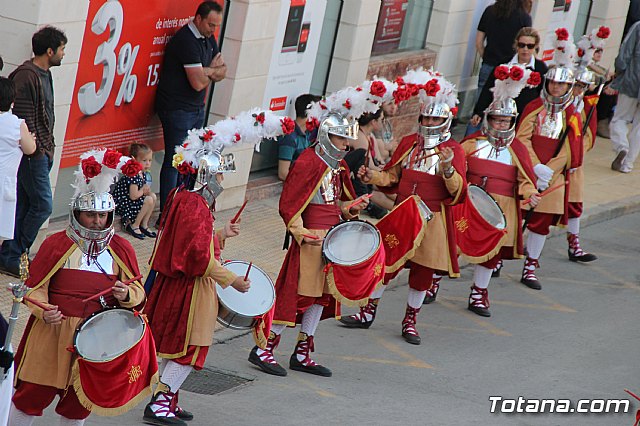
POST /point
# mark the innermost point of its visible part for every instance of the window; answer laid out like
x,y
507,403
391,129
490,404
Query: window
x,y
402,25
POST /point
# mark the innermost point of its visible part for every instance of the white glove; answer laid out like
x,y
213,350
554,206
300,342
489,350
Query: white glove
x,y
542,184
543,172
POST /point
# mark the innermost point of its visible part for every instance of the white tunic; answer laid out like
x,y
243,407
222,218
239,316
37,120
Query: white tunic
x,y
10,156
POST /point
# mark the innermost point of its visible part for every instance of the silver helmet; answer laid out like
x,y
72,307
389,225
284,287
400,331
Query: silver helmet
x,y
585,76
559,74
334,124
209,167
500,139
91,242
433,136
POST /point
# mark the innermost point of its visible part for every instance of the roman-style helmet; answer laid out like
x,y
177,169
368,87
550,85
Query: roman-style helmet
x,y
587,46
98,169
561,71
335,124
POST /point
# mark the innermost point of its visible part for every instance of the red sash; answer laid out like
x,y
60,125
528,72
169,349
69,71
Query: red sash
x,y
544,147
430,188
501,179
321,216
68,287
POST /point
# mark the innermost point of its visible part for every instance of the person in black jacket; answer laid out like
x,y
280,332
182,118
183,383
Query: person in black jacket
x,y
527,44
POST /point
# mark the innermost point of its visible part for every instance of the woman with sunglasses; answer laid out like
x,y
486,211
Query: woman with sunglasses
x,y
527,43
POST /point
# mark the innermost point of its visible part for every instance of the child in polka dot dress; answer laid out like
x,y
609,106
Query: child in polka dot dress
x,y
133,196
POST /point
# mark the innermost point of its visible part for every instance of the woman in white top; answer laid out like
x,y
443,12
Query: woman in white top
x,y
15,140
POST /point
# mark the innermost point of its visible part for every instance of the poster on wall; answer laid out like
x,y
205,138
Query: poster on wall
x,y
118,71
389,28
294,53
565,14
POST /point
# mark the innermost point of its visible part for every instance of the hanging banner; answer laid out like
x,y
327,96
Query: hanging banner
x,y
294,53
118,71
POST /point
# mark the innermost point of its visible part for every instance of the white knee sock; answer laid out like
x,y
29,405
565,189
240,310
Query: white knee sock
x,y
573,227
278,328
19,418
481,276
161,365
70,422
415,298
535,244
377,293
311,319
175,374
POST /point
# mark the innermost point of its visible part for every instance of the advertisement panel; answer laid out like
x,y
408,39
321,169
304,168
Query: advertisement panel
x,y
294,53
120,63
390,24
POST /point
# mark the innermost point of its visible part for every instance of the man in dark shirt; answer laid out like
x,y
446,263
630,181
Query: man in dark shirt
x,y
192,61
34,104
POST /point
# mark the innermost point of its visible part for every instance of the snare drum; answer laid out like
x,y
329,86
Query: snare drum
x,y
240,311
480,225
115,350
402,231
355,260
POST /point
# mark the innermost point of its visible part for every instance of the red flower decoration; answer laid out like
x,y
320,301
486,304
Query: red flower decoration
x,y
501,72
288,125
90,167
580,53
347,104
603,32
454,111
358,89
562,34
378,89
131,168
400,81
534,79
323,105
185,169
111,158
312,124
432,87
516,73
414,89
401,94
208,136
259,118
236,137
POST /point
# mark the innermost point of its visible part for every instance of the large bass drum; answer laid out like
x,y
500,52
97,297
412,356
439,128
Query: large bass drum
x,y
241,311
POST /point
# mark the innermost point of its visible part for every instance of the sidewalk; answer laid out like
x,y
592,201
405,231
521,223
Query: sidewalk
x,y
608,194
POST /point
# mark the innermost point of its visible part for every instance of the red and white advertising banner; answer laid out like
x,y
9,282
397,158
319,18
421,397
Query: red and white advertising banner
x,y
390,23
120,63
294,53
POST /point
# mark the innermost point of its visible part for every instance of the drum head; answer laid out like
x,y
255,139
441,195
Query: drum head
x,y
108,334
351,242
487,207
260,297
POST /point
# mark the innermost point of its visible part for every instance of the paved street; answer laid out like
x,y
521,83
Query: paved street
x,y
575,339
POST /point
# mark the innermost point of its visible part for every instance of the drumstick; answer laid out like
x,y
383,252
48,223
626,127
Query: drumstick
x,y
632,394
313,237
237,216
479,149
359,200
102,293
246,276
546,191
38,304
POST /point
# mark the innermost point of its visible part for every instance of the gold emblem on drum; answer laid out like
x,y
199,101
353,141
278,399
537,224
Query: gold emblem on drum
x,y
462,224
377,269
134,373
391,240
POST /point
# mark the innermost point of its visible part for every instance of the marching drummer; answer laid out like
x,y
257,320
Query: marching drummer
x,y
500,164
310,204
551,130
429,164
71,265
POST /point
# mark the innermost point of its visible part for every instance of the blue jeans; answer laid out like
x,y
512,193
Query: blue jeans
x,y
33,207
175,125
483,76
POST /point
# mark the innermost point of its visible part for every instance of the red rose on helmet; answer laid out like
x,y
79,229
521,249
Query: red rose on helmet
x,y
401,94
432,87
259,118
185,169
562,34
454,111
501,72
377,89
603,32
90,167
208,135
131,168
347,104
580,53
288,125
237,137
312,124
516,73
111,158
534,79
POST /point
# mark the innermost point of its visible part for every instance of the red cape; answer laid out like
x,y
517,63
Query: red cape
x,y
182,254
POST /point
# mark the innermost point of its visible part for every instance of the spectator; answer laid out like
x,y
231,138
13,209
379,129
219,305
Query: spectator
x,y
497,28
133,196
15,140
626,144
387,143
291,146
34,104
192,61
527,44
608,97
